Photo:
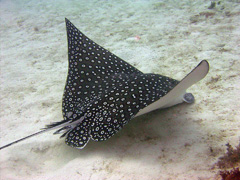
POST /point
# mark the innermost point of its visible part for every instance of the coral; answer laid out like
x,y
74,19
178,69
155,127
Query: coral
x,y
234,174
231,158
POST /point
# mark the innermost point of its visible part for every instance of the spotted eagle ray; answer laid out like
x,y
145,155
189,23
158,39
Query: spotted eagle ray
x,y
103,92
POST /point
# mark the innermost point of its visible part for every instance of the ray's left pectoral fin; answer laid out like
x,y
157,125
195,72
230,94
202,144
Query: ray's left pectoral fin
x,y
178,93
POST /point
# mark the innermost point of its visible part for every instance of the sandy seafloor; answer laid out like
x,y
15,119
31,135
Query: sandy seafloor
x,y
182,142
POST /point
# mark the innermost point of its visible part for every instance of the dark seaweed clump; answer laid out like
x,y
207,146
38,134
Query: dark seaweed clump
x,y
231,158
234,174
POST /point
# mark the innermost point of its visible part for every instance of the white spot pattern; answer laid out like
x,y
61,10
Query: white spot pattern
x,y
104,89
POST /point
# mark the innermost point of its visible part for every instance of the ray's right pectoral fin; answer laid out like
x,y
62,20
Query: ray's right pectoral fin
x,y
178,93
78,137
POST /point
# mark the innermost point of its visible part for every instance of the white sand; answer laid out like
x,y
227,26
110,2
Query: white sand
x,y
174,37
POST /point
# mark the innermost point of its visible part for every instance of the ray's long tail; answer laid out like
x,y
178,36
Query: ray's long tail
x,y
48,128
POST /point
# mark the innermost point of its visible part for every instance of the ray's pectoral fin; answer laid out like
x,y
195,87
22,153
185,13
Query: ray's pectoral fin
x,y
178,93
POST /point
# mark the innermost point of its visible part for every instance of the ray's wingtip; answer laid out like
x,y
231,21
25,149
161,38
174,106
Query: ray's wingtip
x,y
67,21
204,67
206,63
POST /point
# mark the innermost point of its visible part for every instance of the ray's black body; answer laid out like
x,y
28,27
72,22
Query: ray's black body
x,y
103,92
